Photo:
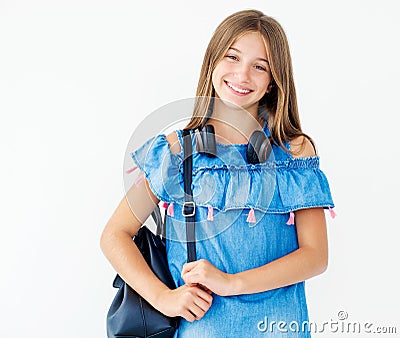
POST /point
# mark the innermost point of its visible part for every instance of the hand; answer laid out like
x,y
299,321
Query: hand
x,y
205,274
188,301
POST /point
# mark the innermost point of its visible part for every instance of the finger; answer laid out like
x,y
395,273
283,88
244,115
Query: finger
x,y
188,279
196,311
205,295
187,267
192,277
189,316
202,304
206,289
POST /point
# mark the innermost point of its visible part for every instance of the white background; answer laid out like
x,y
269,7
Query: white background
x,y
77,77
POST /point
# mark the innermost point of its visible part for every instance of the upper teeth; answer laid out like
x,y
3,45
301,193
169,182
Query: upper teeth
x,y
243,91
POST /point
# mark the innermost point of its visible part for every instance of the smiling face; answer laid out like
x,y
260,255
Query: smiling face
x,y
243,75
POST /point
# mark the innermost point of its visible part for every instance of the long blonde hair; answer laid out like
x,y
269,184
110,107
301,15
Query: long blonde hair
x,y
279,105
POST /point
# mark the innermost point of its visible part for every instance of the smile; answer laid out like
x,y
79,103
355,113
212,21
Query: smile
x,y
241,91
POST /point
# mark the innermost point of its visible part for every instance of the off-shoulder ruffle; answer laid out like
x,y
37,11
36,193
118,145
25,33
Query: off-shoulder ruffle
x,y
160,167
278,186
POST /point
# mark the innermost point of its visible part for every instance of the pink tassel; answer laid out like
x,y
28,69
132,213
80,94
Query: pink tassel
x,y
170,210
251,217
210,215
332,212
131,170
139,179
291,219
165,205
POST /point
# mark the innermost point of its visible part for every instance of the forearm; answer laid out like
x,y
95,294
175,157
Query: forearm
x,y
295,267
127,260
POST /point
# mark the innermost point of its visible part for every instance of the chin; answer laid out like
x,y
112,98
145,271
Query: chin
x,y
235,102
243,105
232,104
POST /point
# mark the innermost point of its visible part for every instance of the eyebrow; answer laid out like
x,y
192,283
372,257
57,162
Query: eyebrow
x,y
237,50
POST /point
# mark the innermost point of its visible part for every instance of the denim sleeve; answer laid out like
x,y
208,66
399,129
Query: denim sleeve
x,y
160,167
302,184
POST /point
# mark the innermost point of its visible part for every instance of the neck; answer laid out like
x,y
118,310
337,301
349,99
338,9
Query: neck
x,y
233,124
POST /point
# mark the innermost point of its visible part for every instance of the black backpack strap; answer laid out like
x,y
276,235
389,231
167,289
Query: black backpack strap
x,y
189,208
156,214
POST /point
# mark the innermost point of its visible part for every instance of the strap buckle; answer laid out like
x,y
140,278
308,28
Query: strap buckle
x,y
188,209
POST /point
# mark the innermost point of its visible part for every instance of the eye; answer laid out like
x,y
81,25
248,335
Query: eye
x,y
261,68
232,57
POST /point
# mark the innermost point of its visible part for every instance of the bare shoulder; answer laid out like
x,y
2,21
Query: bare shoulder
x,y
172,139
302,147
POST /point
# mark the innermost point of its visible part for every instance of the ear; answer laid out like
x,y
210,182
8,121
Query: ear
x,y
269,87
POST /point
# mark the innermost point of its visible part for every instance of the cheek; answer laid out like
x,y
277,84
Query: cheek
x,y
264,82
213,78
220,70
216,78
214,81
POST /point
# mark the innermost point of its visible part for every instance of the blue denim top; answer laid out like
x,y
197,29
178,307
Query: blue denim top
x,y
231,188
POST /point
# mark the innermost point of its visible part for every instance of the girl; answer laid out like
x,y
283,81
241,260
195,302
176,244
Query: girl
x,y
261,229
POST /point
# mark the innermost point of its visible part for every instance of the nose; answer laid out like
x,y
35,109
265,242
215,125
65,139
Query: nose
x,y
242,73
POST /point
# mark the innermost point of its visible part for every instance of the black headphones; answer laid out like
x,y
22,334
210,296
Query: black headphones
x,y
258,148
